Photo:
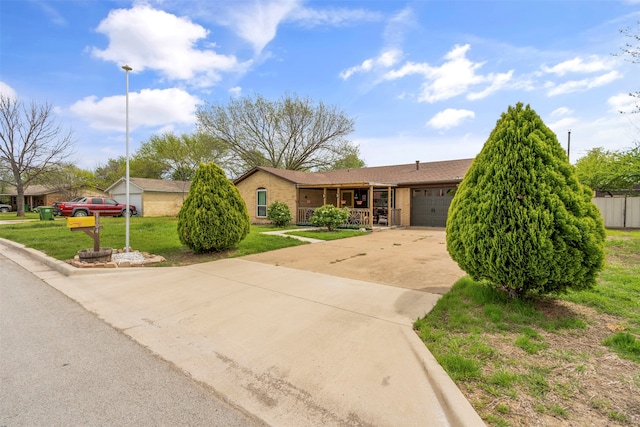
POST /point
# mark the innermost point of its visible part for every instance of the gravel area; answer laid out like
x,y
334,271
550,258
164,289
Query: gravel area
x,y
127,256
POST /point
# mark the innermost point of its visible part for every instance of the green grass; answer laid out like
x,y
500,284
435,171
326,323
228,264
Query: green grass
x,y
11,216
153,235
327,235
471,312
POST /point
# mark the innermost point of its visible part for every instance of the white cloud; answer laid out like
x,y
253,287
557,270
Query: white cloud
x,y
143,37
452,78
332,16
562,111
592,64
235,91
623,102
7,91
450,118
498,81
385,60
581,85
148,108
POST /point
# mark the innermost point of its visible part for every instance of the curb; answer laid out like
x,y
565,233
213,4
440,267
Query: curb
x,y
59,266
454,404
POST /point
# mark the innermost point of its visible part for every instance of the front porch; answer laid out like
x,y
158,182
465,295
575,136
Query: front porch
x,y
357,217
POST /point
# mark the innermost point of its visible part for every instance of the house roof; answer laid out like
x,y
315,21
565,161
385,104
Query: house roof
x,y
408,174
32,190
159,185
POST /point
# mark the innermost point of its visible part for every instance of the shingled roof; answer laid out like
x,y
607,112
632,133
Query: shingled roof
x,y
408,174
159,185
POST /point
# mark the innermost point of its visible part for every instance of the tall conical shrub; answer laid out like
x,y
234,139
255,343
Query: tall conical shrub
x,y
520,219
214,216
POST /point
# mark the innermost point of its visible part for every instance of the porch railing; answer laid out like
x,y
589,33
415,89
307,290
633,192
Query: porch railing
x,y
357,216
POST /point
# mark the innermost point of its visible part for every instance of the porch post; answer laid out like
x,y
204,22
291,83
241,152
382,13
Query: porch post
x,y
389,217
338,203
371,205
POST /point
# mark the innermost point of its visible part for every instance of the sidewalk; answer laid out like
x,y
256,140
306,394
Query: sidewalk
x,y
292,347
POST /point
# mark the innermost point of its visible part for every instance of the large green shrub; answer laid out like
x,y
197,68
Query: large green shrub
x,y
279,214
329,216
213,217
520,219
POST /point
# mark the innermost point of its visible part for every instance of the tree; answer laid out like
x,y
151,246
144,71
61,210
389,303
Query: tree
x,y
214,216
66,179
139,167
291,133
350,160
610,171
30,143
632,51
178,156
520,220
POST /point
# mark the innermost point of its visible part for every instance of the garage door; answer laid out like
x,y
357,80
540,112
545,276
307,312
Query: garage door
x,y
429,207
134,199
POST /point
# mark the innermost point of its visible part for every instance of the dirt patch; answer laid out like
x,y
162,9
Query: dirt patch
x,y
581,382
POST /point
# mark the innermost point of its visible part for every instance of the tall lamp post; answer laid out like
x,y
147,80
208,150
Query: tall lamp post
x,y
126,68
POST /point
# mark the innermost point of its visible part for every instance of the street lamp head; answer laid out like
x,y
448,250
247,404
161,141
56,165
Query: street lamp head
x,y
126,68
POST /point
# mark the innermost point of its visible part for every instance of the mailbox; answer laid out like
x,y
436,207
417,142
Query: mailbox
x,y
81,221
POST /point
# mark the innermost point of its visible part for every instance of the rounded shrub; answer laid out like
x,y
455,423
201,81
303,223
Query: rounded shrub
x,y
329,216
214,216
279,214
520,220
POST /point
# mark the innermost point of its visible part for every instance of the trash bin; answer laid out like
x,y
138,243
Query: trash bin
x,y
46,212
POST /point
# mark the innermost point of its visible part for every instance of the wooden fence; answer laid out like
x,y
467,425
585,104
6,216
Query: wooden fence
x,y
619,212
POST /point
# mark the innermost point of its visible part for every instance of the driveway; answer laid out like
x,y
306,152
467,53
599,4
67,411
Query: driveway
x,y
412,258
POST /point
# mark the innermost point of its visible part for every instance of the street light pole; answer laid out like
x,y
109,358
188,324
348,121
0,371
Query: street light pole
x,y
126,68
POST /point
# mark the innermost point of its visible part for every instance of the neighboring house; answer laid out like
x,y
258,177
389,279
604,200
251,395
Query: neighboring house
x,y
42,195
152,197
406,195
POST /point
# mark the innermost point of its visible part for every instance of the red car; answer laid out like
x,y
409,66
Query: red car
x,y
85,206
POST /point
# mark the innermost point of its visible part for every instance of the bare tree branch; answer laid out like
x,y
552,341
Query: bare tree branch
x,y
31,143
291,133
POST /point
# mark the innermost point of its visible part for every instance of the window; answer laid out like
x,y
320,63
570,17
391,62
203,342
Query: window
x,y
261,204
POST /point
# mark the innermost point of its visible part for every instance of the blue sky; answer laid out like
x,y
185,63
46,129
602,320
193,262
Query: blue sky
x,y
424,80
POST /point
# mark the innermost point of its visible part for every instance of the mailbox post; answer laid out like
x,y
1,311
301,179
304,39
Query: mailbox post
x,y
88,224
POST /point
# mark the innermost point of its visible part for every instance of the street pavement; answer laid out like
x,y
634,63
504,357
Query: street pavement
x,y
61,366
290,346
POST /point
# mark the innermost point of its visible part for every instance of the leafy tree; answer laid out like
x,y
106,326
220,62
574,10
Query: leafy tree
x,y
178,156
214,216
67,179
521,220
610,171
139,167
279,214
329,216
290,133
31,143
350,160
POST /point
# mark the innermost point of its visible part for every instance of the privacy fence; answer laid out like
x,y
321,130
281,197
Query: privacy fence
x,y
619,212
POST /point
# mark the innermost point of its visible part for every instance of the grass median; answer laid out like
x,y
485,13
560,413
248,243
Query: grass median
x,y
571,360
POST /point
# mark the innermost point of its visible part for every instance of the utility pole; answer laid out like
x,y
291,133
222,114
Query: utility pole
x,y
569,145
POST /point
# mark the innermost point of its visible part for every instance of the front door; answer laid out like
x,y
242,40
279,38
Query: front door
x,y
346,199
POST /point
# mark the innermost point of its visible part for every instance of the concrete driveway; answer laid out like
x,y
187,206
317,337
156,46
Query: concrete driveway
x,y
411,258
283,335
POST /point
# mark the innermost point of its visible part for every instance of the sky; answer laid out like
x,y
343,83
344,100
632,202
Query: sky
x,y
423,80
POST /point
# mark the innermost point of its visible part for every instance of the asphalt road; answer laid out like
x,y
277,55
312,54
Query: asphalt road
x,y
60,365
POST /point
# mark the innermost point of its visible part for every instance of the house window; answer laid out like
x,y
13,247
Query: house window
x,y
261,204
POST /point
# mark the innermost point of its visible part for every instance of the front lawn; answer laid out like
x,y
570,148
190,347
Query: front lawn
x,y
154,235
571,360
323,234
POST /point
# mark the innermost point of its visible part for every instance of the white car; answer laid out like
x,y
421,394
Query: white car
x,y
5,208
